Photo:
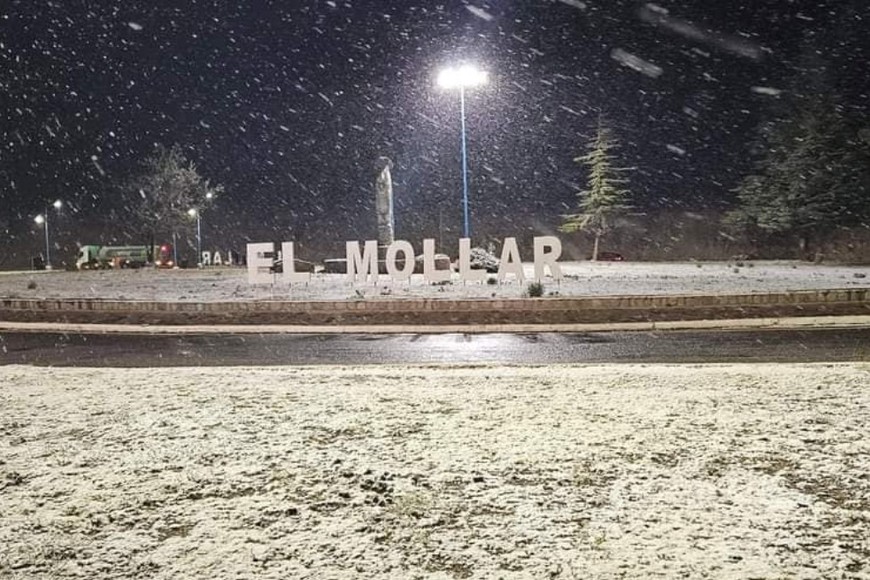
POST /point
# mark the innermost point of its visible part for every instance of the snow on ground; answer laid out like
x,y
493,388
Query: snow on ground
x,y
635,471
581,279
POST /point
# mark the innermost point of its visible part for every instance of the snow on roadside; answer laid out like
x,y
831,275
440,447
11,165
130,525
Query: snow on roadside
x,y
580,279
628,471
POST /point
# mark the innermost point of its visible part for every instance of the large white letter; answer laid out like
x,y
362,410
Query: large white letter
x,y
206,259
465,271
510,261
430,274
260,258
544,258
366,265
407,251
289,265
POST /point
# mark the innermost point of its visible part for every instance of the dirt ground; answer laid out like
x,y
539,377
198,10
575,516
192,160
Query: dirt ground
x,y
619,471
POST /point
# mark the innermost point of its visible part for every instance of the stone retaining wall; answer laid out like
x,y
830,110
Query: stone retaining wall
x,y
430,311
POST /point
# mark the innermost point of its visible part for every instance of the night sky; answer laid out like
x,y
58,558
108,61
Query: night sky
x,y
289,104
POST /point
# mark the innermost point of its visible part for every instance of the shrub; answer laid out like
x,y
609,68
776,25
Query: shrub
x,y
535,290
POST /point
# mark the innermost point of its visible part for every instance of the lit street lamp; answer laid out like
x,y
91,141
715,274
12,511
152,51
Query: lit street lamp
x,y
197,213
192,212
465,76
42,220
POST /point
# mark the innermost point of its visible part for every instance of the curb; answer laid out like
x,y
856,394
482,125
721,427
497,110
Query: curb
x,y
806,323
445,312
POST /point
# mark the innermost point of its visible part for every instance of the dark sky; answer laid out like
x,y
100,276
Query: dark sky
x,y
289,103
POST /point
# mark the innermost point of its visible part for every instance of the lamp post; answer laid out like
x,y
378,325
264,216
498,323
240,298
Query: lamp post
x,y
192,212
42,220
465,76
197,213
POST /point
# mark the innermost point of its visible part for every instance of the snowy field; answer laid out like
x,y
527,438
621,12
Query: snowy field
x,y
581,279
636,471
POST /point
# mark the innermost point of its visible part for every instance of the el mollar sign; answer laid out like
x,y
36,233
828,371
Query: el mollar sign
x,y
362,263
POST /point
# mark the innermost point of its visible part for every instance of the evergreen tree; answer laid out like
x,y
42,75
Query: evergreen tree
x,y
811,179
813,172
605,197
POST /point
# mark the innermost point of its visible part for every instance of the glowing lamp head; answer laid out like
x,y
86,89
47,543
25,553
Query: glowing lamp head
x,y
464,76
57,204
191,212
40,219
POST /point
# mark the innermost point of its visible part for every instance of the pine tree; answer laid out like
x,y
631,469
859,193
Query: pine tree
x,y
813,174
605,197
812,178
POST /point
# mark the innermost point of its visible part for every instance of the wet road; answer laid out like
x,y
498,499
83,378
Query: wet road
x,y
817,345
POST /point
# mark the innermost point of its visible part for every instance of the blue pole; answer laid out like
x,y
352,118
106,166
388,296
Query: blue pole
x,y
466,230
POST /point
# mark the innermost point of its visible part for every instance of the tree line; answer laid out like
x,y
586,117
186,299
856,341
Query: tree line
x,y
810,177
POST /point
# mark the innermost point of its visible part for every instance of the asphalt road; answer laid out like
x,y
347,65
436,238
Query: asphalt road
x,y
816,345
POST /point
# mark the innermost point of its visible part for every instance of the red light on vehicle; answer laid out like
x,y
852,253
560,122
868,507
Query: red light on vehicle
x,y
164,248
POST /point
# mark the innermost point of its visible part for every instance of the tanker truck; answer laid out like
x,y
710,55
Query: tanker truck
x,y
104,257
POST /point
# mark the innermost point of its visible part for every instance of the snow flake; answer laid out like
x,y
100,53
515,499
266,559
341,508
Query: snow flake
x,y
766,91
97,165
575,4
570,110
480,12
636,63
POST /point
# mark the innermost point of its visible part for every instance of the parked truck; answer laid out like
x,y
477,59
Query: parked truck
x,y
105,257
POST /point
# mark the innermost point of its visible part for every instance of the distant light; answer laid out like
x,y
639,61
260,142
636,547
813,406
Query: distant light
x,y
40,219
57,204
463,76
209,195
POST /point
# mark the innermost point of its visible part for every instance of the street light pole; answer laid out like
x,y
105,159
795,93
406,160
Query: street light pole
x,y
193,212
42,220
197,213
47,244
463,77
198,240
466,229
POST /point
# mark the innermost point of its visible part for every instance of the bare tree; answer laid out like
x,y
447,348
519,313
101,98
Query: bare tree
x,y
168,186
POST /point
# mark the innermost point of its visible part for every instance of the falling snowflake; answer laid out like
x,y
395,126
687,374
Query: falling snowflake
x,y
766,91
575,3
480,13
